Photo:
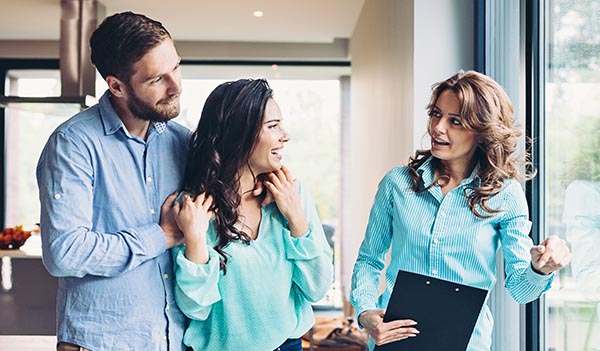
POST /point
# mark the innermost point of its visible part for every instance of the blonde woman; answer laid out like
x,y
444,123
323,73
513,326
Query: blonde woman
x,y
448,212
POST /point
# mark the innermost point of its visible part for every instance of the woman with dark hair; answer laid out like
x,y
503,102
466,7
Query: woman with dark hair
x,y
446,214
247,277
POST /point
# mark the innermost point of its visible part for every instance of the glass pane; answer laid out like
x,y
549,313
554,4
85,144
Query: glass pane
x,y
33,82
28,127
572,135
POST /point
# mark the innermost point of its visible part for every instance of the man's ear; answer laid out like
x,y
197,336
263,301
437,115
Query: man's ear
x,y
116,86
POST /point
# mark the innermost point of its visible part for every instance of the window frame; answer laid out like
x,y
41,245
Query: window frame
x,y
5,66
534,127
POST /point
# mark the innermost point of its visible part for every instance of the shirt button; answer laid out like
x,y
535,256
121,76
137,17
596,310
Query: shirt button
x,y
149,179
436,241
152,211
165,276
434,272
57,196
443,214
167,308
165,337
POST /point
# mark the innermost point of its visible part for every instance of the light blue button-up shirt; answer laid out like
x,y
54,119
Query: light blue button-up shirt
x,y
439,236
101,191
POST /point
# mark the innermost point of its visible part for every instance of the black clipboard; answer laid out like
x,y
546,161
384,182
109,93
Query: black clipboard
x,y
446,312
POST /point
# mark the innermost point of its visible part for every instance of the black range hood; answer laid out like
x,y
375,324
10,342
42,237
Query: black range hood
x,y
79,18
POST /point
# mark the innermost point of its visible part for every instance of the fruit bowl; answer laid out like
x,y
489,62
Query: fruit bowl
x,y
13,238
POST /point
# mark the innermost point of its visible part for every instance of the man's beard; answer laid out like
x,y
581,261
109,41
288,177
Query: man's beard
x,y
147,112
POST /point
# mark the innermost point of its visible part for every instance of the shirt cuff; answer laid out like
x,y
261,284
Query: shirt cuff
x,y
301,248
198,281
361,309
539,279
153,239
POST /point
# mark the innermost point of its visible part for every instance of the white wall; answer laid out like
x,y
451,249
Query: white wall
x,y
398,49
444,37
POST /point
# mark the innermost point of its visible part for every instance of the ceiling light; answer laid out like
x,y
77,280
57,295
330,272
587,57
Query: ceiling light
x,y
258,13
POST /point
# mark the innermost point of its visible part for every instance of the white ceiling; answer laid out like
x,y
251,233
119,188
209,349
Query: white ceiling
x,y
297,21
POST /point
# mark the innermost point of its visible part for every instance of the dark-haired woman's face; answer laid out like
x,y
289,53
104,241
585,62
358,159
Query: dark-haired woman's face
x,y
266,155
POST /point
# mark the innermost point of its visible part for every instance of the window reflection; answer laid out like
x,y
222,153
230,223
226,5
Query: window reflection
x,y
572,170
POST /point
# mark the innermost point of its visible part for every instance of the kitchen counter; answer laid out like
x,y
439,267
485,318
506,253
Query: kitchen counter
x,y
31,249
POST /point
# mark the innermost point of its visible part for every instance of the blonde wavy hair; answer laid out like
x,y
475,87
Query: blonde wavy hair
x,y
487,111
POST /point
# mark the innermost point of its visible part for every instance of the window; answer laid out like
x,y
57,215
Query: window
x,y
28,126
571,133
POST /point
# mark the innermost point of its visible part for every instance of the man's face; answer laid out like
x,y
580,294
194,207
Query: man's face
x,y
154,88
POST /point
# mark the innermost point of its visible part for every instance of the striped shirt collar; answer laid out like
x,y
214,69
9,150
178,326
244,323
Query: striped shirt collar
x,y
427,174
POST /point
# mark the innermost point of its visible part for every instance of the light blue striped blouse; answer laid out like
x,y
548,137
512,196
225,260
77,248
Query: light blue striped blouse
x,y
439,236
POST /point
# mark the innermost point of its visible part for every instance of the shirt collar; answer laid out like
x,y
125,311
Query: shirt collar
x,y
112,123
426,172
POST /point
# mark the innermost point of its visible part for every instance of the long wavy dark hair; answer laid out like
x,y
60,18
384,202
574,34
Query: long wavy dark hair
x,y
487,111
229,126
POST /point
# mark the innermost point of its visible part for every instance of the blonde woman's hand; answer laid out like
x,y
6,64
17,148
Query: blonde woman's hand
x,y
282,186
385,333
549,256
193,217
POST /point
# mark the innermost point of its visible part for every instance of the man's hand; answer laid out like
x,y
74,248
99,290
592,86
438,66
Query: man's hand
x,y
385,333
173,235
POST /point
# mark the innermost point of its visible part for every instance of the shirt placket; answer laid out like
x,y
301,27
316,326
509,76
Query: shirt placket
x,y
436,239
154,203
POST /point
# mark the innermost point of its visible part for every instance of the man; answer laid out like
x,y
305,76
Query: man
x,y
103,176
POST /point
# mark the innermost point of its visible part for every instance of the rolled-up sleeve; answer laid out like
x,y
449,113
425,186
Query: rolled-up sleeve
x,y
523,284
70,245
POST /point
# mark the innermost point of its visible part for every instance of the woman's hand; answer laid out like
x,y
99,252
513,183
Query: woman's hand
x,y
385,333
282,186
550,256
193,218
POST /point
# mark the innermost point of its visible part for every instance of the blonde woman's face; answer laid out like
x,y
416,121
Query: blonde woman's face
x,y
450,140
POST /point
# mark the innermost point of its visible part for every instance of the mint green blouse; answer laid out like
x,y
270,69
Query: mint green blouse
x,y
265,296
